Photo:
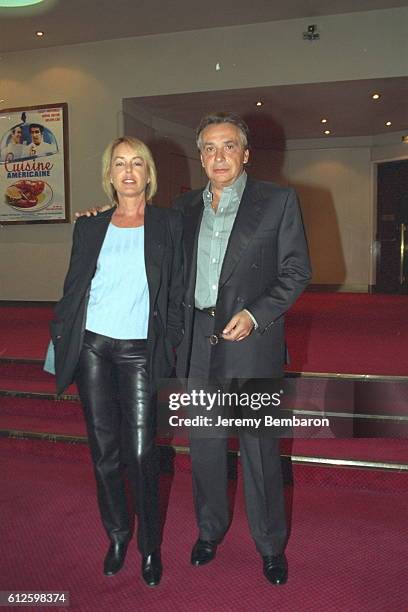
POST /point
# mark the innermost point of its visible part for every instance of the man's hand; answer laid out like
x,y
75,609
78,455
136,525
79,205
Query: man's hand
x,y
93,211
239,328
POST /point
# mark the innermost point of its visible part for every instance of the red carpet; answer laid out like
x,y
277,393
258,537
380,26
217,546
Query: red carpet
x,y
51,416
327,332
24,331
348,546
63,417
347,551
349,333
29,377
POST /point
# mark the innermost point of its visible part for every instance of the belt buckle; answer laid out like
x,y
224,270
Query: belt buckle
x,y
211,311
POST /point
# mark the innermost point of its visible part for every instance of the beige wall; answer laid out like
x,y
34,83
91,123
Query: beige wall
x,y
174,150
333,182
334,189
94,79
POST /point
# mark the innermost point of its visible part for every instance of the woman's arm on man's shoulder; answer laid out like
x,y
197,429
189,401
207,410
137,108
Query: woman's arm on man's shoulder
x,y
93,211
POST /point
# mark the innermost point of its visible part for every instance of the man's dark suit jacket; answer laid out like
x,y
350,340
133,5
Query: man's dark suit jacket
x,y
163,260
265,268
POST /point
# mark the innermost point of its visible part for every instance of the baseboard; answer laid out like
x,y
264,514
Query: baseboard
x,y
338,288
75,441
313,288
25,304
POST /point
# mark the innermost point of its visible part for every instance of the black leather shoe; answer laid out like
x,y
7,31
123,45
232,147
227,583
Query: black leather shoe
x,y
152,568
275,568
115,558
203,552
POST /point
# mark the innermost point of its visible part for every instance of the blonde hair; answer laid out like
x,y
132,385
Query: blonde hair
x,y
141,150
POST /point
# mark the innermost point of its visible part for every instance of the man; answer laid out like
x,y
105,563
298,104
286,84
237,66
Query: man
x,y
14,149
38,146
246,262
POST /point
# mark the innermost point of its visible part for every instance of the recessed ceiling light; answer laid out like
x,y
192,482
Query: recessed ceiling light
x,y
259,103
39,33
388,123
376,96
327,132
323,120
17,3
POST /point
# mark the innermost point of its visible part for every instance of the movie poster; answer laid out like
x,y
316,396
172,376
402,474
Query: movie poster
x,y
34,185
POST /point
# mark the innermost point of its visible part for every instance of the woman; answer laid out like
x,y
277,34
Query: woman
x,y
114,333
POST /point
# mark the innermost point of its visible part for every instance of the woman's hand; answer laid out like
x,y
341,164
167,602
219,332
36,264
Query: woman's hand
x,y
93,211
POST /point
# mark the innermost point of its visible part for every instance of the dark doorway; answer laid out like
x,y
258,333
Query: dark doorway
x,y
392,227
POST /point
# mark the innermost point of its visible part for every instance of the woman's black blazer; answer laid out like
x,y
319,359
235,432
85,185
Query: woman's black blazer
x,y
163,261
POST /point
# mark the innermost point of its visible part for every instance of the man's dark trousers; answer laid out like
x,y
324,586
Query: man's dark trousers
x,y
260,461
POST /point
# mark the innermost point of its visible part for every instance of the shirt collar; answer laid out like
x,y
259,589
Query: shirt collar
x,y
237,188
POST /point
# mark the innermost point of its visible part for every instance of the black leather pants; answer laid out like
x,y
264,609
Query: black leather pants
x,y
119,411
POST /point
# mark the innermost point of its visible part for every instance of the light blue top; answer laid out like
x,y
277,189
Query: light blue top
x,y
119,300
215,231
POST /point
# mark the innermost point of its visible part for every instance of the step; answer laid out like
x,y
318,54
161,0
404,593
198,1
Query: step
x,y
28,376
33,410
372,406
295,472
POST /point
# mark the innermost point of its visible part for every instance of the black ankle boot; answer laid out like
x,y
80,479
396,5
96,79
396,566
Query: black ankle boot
x,y
152,568
115,558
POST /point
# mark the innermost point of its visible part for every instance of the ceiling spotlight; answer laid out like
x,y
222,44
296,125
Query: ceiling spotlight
x,y
323,120
259,103
17,3
376,96
327,132
39,33
388,123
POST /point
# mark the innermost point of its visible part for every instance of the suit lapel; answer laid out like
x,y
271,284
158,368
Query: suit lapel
x,y
154,241
97,234
250,214
192,222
